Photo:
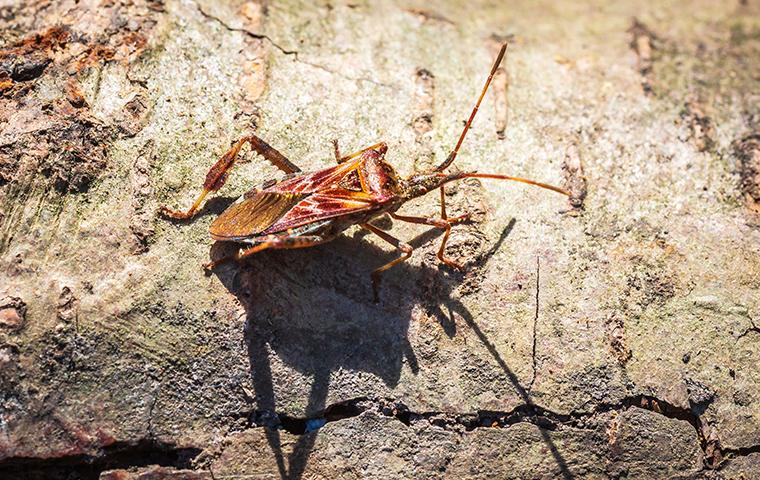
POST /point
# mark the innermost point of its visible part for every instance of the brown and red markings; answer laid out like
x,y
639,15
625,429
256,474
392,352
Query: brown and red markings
x,y
156,473
28,59
54,436
308,209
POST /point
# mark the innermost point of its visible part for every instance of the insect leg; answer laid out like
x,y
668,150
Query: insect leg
x,y
444,223
275,242
356,154
406,252
447,233
217,175
271,154
337,151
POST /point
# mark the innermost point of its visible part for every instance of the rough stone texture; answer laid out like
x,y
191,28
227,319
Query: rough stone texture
x,y
613,336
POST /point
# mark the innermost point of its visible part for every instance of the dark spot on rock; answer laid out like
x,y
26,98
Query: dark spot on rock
x,y
75,170
686,357
29,58
642,43
26,68
747,150
135,116
80,158
742,398
701,130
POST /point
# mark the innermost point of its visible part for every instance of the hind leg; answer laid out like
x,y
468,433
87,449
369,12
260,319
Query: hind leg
x,y
217,175
273,242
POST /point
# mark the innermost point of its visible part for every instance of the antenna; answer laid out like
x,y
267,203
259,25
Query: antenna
x,y
450,159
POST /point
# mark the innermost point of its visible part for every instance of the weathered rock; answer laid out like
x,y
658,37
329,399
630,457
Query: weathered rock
x,y
644,288
631,442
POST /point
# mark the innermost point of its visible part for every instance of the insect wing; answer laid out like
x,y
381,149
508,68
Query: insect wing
x,y
295,202
322,206
318,181
253,215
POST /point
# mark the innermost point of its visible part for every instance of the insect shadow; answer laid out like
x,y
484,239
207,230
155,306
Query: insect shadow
x,y
311,310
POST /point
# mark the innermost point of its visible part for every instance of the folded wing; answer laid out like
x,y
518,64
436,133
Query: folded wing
x,y
253,215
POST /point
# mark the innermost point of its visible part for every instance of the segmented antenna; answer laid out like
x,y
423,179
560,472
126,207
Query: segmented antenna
x,y
450,159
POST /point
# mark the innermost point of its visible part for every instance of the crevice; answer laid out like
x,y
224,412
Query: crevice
x,y
347,77
258,36
90,466
729,453
535,325
152,452
714,456
293,53
754,328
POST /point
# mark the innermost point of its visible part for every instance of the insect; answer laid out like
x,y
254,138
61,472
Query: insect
x,y
307,209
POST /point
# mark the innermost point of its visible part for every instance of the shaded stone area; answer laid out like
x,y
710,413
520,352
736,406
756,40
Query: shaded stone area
x,y
616,335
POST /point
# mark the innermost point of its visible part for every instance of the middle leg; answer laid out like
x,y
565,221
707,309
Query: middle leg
x,y
406,252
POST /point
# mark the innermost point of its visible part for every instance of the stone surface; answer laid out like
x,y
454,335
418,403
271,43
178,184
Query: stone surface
x,y
615,335
634,443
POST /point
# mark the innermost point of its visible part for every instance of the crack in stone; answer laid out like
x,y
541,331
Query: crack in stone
x,y
754,328
258,36
293,53
119,455
144,452
535,324
713,455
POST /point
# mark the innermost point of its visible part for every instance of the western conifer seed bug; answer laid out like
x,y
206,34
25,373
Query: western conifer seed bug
x,y
307,209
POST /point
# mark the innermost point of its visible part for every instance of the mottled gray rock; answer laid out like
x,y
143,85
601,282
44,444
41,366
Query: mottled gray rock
x,y
615,335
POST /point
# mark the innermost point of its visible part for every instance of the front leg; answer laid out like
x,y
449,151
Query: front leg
x,y
444,223
217,175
